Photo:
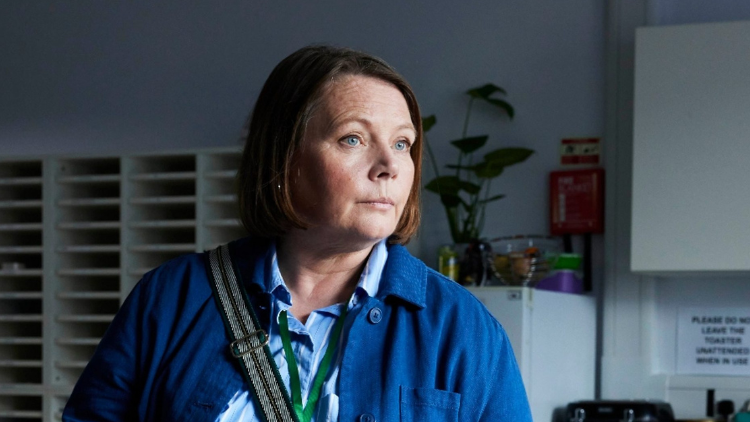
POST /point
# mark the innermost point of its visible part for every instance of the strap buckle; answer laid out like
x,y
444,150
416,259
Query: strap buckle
x,y
235,344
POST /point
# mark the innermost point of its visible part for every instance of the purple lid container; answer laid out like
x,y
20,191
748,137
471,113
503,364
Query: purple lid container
x,y
561,281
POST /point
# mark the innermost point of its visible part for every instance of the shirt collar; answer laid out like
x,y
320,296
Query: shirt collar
x,y
368,284
404,276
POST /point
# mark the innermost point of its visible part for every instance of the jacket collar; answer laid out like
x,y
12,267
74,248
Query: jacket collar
x,y
404,276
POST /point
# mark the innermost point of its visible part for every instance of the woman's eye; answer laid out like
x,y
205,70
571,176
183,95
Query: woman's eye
x,y
402,146
352,141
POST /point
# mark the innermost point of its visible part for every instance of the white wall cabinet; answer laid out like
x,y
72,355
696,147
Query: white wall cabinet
x,y
691,184
554,339
76,234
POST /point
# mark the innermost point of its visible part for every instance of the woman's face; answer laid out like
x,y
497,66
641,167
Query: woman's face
x,y
354,171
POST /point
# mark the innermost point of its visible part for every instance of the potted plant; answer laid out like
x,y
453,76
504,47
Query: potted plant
x,y
465,188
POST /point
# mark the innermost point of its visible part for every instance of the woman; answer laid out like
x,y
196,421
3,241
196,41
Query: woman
x,y
329,191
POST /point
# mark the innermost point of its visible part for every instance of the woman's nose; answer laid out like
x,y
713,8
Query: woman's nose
x,y
385,165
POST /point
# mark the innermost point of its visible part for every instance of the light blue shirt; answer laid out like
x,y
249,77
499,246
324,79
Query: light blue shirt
x,y
309,341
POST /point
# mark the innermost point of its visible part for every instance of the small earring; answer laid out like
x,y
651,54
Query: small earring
x,y
279,186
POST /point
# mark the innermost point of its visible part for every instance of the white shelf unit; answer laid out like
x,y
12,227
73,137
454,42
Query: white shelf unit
x,y
21,289
77,233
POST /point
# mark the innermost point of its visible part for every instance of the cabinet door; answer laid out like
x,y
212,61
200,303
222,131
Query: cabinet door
x,y
691,184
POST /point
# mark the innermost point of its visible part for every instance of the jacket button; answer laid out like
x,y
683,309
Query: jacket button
x,y
366,417
375,315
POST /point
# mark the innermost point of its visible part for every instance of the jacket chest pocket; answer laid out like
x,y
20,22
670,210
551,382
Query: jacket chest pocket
x,y
428,404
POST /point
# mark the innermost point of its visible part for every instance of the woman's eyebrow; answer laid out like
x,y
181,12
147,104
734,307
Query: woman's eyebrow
x,y
335,123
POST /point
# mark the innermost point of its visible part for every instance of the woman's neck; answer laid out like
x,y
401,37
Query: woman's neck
x,y
318,275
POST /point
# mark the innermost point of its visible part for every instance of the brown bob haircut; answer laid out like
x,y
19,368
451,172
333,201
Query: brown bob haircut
x,y
277,127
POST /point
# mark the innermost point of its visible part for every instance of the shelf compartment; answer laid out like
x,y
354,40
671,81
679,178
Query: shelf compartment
x,y
89,191
20,406
163,164
170,236
23,353
12,216
20,169
79,330
99,166
89,284
89,238
161,211
27,238
89,214
20,306
90,225
18,374
223,162
101,260
164,188
13,329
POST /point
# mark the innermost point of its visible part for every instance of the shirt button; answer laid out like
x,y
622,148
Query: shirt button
x,y
366,417
375,315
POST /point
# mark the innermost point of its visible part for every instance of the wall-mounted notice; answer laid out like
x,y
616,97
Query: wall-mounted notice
x,y
713,341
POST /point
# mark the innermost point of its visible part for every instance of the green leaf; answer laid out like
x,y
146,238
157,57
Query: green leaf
x,y
491,199
470,188
485,91
469,145
428,122
444,185
488,169
508,156
503,105
450,200
451,185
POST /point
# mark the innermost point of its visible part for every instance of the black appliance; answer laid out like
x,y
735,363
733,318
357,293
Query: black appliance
x,y
619,411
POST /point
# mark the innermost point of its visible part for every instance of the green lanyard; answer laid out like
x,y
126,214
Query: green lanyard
x,y
305,413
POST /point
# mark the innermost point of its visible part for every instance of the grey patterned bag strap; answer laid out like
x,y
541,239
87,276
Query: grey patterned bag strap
x,y
249,341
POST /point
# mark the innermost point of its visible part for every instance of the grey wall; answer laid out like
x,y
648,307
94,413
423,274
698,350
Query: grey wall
x,y
107,77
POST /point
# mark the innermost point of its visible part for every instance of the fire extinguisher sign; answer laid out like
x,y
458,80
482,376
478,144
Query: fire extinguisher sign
x,y
577,201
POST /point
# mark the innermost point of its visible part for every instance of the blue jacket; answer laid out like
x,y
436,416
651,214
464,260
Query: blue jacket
x,y
435,355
